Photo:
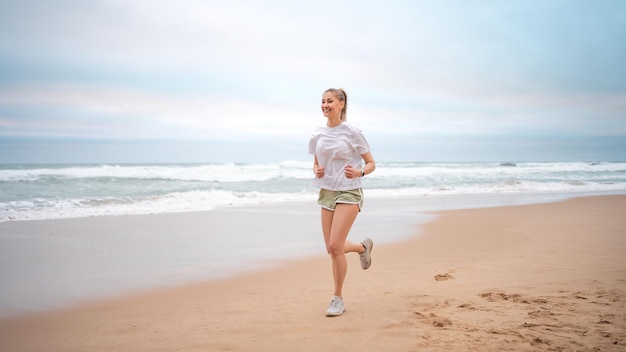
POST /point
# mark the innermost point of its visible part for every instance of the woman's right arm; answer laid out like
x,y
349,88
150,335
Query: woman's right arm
x,y
317,169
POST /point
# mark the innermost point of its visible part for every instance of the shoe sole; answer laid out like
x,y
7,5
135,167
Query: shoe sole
x,y
330,315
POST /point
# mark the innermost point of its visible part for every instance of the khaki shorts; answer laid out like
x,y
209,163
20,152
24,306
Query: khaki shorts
x,y
330,199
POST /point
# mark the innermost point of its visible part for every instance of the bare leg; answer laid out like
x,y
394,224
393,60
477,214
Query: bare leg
x,y
336,227
351,247
327,222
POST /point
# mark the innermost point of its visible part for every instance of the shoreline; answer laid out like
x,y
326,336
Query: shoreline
x,y
425,202
523,277
52,264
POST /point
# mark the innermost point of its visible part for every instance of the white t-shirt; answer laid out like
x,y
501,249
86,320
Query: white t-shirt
x,y
335,148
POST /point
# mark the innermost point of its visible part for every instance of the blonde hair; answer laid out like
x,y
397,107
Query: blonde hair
x,y
342,96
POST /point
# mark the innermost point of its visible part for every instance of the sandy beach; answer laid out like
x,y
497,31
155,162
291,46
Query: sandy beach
x,y
541,277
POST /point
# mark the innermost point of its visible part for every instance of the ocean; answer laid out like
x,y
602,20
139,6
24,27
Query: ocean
x,y
36,192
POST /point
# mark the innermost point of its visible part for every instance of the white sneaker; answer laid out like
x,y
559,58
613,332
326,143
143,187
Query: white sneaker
x,y
336,307
366,257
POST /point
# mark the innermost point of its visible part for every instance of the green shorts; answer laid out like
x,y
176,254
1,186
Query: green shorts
x,y
330,199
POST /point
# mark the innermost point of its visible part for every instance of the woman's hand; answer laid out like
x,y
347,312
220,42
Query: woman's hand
x,y
319,172
351,172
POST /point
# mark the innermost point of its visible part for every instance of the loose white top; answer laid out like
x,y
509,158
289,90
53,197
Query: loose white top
x,y
335,148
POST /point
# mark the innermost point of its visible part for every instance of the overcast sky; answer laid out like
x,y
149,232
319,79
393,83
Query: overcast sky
x,y
216,81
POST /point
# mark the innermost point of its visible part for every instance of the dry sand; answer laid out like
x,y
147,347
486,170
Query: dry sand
x,y
544,277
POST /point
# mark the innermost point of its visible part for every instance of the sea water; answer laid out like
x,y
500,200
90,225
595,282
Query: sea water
x,y
34,192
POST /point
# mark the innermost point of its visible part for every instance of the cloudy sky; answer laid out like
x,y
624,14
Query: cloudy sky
x,y
234,80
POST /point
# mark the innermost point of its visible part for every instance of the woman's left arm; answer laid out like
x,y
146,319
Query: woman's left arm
x,y
370,165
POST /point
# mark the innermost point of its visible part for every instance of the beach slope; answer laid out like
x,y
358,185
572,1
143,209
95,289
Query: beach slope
x,y
537,277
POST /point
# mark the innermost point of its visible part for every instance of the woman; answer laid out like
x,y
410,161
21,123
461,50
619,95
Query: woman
x,y
340,150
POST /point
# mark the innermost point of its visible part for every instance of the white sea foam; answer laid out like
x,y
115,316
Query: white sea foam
x,y
30,192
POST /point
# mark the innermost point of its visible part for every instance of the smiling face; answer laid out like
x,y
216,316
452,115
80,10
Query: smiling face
x,y
331,106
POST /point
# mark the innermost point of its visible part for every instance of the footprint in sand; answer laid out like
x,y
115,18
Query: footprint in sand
x,y
443,277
